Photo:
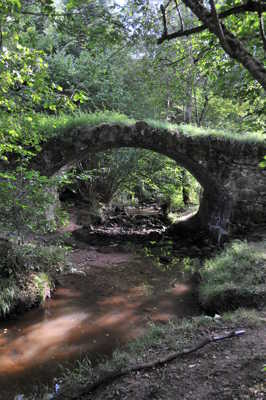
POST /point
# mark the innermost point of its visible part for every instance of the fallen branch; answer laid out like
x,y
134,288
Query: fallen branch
x,y
112,376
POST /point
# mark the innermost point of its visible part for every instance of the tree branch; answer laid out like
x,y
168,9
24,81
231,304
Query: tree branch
x,y
217,22
250,6
164,21
234,47
112,376
180,17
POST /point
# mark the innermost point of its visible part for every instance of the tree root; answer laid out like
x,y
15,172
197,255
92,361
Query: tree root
x,y
112,376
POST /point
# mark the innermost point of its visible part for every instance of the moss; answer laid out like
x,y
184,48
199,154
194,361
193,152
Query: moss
x,y
233,278
194,131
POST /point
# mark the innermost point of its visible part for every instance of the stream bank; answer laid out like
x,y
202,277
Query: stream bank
x,y
116,290
110,296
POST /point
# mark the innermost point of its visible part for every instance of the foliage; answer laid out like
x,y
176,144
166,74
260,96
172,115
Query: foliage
x,y
263,163
26,272
8,296
24,199
30,258
127,176
238,273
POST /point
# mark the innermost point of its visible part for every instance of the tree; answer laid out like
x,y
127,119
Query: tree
x,y
212,19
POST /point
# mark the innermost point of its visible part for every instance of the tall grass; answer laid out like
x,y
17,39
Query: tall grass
x,y
49,126
239,272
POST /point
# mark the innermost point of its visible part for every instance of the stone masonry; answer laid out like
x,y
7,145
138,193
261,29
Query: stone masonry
x,y
234,184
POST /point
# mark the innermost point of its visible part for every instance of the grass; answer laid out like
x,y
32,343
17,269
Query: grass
x,y
50,126
235,277
25,275
195,131
44,285
8,296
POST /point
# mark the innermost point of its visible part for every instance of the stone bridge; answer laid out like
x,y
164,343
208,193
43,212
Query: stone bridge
x,y
234,185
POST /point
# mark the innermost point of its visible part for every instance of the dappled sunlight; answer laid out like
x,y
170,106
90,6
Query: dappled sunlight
x,y
90,314
38,343
180,288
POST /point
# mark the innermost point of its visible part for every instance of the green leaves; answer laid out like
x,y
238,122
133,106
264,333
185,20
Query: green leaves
x,y
263,163
24,198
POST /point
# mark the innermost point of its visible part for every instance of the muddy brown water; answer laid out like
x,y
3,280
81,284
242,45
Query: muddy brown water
x,y
108,299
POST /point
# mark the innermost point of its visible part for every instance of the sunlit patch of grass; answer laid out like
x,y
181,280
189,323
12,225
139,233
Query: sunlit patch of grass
x,y
195,131
244,317
57,125
49,126
236,276
8,296
44,285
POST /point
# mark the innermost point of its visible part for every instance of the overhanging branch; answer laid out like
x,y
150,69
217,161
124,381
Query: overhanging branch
x,y
250,6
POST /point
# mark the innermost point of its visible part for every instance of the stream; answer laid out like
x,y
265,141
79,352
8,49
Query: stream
x,y
108,298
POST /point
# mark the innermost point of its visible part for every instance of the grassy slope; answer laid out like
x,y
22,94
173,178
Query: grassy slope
x,y
237,276
54,126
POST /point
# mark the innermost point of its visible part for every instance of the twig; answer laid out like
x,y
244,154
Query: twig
x,y
114,375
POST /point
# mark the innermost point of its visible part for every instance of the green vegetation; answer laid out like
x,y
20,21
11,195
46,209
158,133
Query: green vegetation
x,y
201,132
69,64
65,124
235,277
26,275
49,126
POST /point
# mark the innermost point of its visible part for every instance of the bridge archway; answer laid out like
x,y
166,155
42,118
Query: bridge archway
x,y
225,171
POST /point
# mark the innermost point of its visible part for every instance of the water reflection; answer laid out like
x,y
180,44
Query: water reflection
x,y
88,315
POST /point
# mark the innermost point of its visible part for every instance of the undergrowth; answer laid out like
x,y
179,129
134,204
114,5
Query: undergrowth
x,y
26,275
235,277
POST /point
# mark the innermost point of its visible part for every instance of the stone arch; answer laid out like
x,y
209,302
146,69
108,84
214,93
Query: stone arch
x,y
212,161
